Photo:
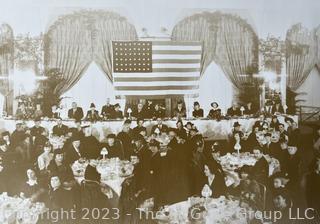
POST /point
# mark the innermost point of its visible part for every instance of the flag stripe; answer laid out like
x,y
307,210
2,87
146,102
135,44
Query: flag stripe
x,y
146,88
163,65
176,69
150,95
179,52
155,74
155,79
158,92
177,43
176,56
176,48
158,83
176,61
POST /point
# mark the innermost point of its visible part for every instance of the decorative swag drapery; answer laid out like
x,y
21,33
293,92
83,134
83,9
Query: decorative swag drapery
x,y
317,30
301,55
227,39
75,40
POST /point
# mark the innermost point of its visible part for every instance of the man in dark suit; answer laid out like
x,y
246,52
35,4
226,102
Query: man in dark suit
x,y
161,127
90,146
277,108
36,130
139,112
125,136
233,111
148,109
107,110
158,112
92,114
116,113
75,112
59,129
72,150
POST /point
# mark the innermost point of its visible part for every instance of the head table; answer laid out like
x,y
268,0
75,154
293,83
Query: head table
x,y
210,129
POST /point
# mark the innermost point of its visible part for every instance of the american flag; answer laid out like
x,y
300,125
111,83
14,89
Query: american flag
x,y
149,68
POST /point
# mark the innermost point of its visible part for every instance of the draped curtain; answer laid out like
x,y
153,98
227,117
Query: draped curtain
x,y
6,56
68,49
318,47
227,39
6,64
237,49
109,26
301,55
198,28
75,40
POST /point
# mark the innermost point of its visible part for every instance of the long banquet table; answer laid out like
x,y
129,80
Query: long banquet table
x,y
210,129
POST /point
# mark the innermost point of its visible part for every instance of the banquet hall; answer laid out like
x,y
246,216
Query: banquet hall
x,y
160,111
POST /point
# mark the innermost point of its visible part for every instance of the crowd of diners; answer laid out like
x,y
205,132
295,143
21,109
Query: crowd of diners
x,y
31,168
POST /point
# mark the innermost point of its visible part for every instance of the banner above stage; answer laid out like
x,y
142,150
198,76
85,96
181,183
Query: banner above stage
x,y
156,68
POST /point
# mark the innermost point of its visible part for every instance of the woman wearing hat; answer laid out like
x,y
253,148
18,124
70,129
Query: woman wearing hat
x,y
92,114
197,111
215,112
116,113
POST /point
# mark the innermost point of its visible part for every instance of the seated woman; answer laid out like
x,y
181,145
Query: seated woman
x,y
45,158
158,112
275,123
59,197
215,112
31,188
92,114
180,129
197,111
215,180
59,167
180,111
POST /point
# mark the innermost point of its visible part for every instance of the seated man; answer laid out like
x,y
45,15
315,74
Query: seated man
x,y
277,108
75,112
59,129
148,109
59,197
116,113
159,128
55,112
22,112
139,112
107,110
92,114
89,144
36,130
72,150
158,112
125,137
234,110
139,127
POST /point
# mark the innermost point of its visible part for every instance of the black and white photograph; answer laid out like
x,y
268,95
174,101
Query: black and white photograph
x,y
160,112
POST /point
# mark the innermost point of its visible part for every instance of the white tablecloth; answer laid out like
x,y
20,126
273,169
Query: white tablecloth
x,y
211,129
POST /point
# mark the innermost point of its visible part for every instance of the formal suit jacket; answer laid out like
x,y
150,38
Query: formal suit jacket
x,y
77,114
179,113
162,129
214,114
138,114
92,116
158,114
90,147
107,111
231,112
116,115
278,109
60,130
71,154
36,131
197,113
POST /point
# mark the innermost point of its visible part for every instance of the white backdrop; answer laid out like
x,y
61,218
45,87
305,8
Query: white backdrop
x,y
92,87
